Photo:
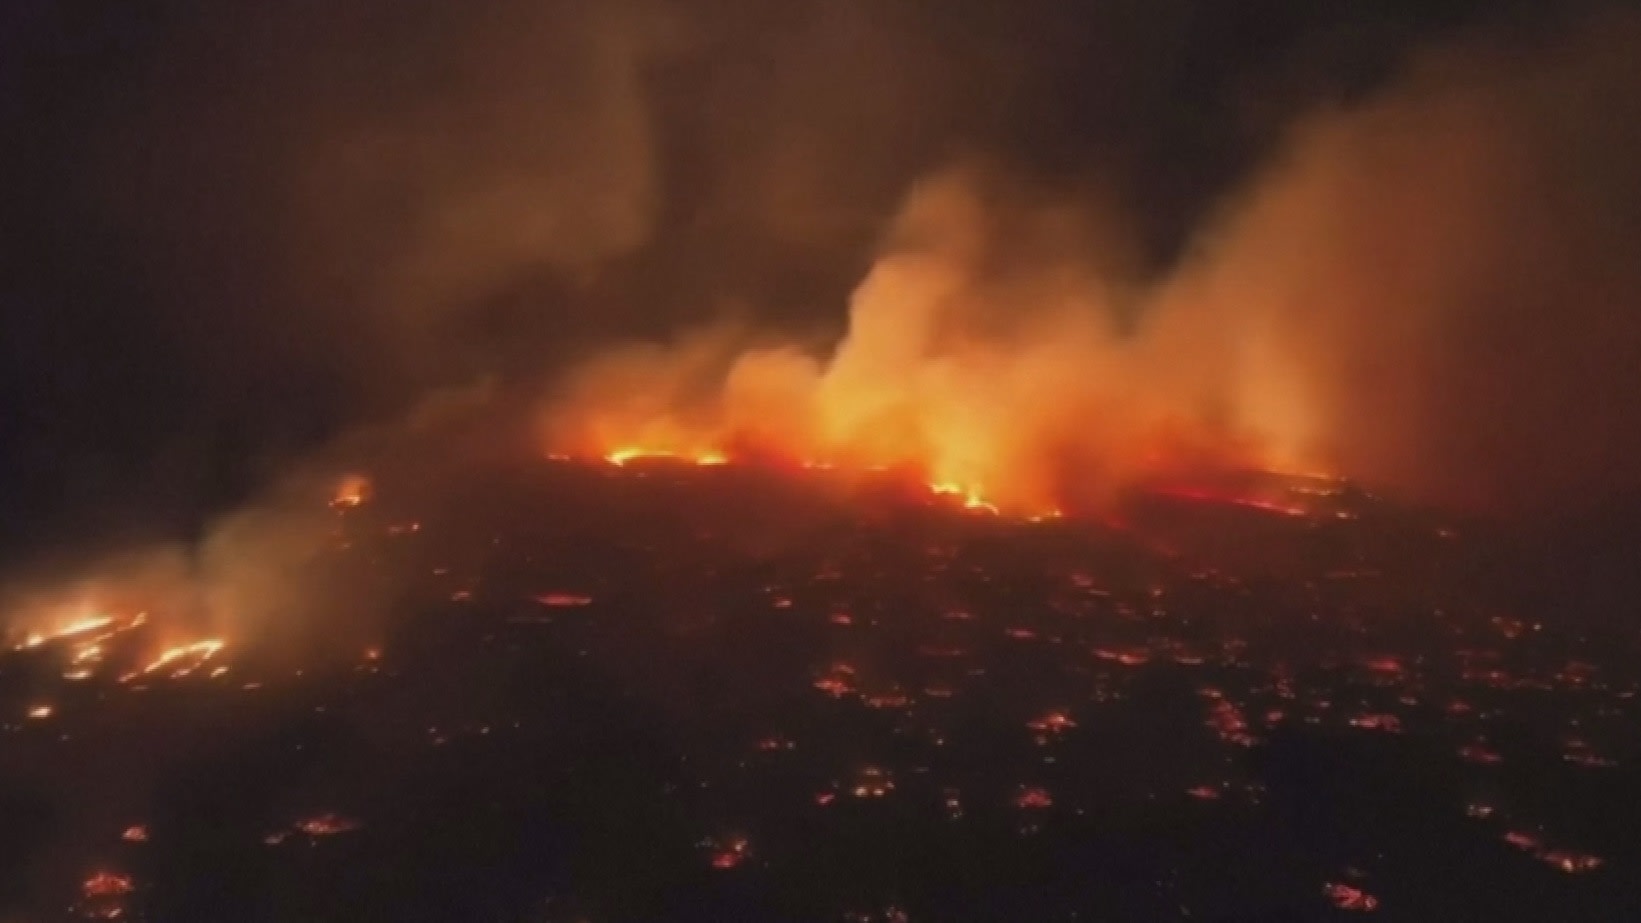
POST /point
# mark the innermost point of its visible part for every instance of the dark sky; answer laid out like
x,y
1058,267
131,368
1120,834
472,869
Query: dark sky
x,y
240,228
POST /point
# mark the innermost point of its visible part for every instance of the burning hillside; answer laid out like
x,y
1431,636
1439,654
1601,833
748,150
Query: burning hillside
x,y
651,688
983,351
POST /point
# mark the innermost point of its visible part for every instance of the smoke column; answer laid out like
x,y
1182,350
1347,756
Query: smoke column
x,y
1426,290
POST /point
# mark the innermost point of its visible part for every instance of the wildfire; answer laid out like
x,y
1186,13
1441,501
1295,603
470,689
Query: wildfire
x,y
353,490
1017,391
184,659
72,629
971,496
622,456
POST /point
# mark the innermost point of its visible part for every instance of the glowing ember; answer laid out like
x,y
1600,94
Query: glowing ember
x,y
621,457
1389,723
1523,840
1383,665
326,825
1573,863
1128,658
83,625
136,833
838,682
40,712
105,885
1033,798
887,700
352,491
971,496
1480,753
182,660
873,783
564,600
729,854
76,627
1227,720
1346,897
1054,722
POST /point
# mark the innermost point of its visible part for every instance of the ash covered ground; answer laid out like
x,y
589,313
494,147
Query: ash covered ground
x,y
657,691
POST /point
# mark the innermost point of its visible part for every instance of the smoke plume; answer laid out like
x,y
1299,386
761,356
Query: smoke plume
x,y
1426,289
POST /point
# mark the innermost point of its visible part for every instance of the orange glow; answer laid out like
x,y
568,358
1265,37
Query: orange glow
x,y
1034,798
326,825
969,494
707,458
78,626
1346,897
351,491
729,853
1573,863
107,885
564,600
1017,391
181,660
1053,722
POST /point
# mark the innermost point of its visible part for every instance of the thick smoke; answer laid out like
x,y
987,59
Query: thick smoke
x,y
984,348
1428,290
1443,274
1082,241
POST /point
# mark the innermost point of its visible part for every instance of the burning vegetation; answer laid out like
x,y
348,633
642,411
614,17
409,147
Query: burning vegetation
x,y
1048,407
903,663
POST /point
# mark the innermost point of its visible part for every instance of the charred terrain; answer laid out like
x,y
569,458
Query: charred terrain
x,y
662,690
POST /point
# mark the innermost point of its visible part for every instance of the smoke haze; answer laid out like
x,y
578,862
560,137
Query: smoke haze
x,y
1392,241
1424,289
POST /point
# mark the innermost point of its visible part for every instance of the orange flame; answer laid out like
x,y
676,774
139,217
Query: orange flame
x,y
1012,391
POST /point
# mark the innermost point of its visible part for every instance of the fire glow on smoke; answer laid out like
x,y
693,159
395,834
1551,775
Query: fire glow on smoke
x,y
1004,388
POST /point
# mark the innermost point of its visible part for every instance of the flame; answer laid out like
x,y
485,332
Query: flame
x,y
353,490
620,457
970,495
78,626
186,658
1013,390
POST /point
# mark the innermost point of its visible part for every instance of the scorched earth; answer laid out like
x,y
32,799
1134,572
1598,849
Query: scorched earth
x,y
657,690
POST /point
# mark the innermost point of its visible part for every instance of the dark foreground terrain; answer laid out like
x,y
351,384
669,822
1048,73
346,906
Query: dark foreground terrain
x,y
661,692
